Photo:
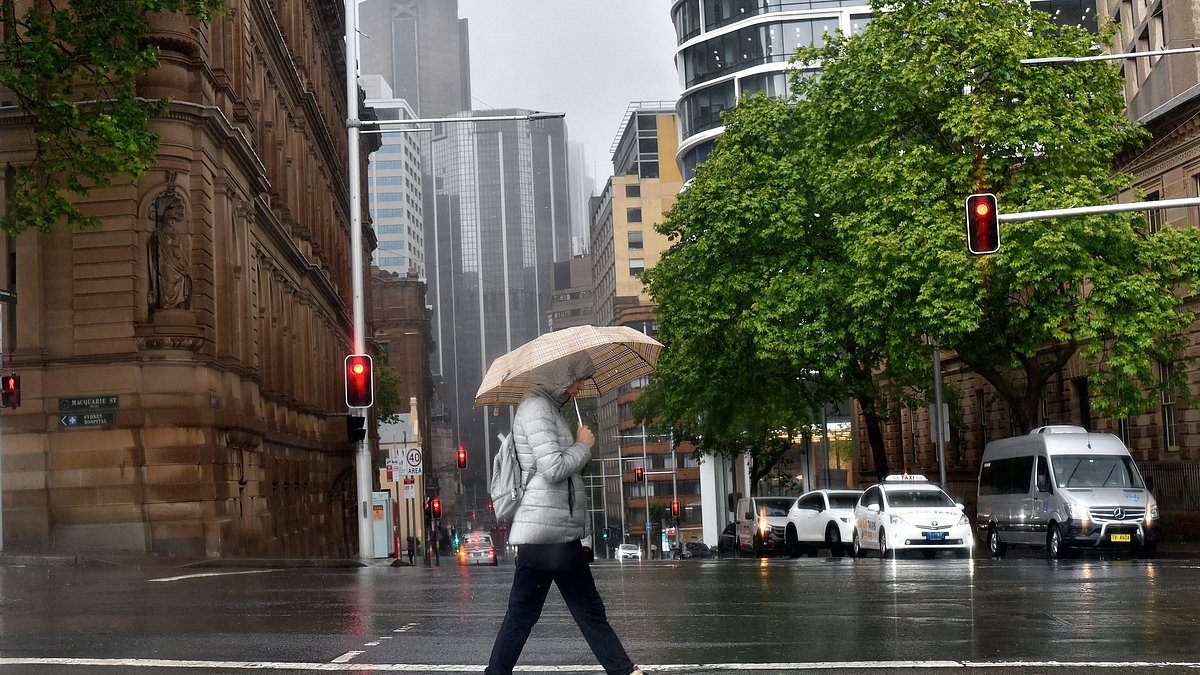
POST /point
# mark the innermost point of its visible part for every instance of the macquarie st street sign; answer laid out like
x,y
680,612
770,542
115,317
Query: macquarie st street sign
x,y
87,411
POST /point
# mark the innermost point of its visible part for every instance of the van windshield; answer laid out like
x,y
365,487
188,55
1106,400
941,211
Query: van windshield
x,y
1095,471
774,507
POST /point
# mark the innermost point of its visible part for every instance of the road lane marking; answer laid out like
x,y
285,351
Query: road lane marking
x,y
341,664
211,574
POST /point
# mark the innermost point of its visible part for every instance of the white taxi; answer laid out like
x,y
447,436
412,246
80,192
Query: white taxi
x,y
909,513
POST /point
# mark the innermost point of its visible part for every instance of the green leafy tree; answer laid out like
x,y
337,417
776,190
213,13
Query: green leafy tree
x,y
722,382
930,103
752,303
72,66
390,402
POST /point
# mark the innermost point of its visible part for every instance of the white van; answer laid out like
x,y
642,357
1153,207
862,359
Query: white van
x,y
1061,487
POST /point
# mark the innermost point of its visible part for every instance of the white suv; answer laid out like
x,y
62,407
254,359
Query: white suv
x,y
910,513
629,552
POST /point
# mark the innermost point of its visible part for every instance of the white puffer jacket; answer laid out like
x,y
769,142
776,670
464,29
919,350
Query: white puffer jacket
x,y
544,441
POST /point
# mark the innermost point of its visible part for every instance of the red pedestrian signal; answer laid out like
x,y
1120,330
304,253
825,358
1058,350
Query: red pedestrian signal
x,y
983,224
10,391
462,457
436,508
360,388
674,508
639,475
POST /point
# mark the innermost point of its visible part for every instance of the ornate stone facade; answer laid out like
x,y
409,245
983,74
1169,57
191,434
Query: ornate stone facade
x,y
208,314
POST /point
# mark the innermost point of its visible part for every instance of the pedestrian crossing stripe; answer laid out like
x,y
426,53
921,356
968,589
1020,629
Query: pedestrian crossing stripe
x,y
852,666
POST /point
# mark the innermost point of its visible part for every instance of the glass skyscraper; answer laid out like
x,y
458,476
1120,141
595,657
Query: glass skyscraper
x,y
501,218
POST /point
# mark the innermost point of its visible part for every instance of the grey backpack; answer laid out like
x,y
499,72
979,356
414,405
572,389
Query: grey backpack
x,y
507,486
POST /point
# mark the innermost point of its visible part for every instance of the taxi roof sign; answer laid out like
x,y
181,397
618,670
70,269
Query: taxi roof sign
x,y
906,478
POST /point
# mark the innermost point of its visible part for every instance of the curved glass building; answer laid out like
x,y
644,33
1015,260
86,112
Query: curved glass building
x,y
734,48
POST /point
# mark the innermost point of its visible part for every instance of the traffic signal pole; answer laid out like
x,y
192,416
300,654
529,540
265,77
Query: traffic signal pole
x,y
362,455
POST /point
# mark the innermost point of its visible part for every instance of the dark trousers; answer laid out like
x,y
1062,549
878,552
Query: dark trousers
x,y
530,586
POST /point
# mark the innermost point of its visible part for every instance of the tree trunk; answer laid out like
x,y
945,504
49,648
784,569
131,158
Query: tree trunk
x,y
874,424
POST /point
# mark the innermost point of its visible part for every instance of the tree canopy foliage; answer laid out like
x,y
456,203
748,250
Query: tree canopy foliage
x,y
823,242
71,66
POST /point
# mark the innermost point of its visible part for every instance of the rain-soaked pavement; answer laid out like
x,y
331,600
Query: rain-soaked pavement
x,y
811,615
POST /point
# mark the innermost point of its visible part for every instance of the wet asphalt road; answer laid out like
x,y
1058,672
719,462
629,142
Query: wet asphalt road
x,y
813,615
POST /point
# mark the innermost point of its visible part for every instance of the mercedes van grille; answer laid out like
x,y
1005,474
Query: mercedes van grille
x,y
1117,513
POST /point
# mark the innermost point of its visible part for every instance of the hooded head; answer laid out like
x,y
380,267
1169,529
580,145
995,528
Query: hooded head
x,y
554,378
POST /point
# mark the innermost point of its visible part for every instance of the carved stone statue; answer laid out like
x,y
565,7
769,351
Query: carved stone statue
x,y
170,279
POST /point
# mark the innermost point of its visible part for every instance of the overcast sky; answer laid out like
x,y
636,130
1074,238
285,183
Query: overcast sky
x,y
586,58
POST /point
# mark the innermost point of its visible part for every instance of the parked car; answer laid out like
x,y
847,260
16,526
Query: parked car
x,y
629,552
822,519
695,550
761,524
1062,487
907,512
476,549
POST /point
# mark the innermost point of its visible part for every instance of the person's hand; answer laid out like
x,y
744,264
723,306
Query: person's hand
x,y
584,435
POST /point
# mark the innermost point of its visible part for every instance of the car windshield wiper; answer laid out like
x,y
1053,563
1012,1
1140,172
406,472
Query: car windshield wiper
x,y
1068,481
1110,473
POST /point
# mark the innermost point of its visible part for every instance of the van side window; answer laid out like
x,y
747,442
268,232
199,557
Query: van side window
x,y
1009,476
1043,476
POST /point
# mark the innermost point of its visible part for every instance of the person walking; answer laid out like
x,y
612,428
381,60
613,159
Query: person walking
x,y
550,523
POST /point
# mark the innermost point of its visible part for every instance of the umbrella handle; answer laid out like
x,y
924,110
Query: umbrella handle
x,y
577,415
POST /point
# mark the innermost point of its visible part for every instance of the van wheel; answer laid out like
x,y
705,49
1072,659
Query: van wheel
x,y
833,539
856,546
793,544
1147,550
995,546
1056,546
884,551
758,547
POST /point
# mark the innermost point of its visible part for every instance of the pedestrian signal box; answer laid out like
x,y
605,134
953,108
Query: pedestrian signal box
x,y
10,390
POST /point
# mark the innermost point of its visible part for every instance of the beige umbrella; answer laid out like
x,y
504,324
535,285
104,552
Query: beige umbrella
x,y
617,355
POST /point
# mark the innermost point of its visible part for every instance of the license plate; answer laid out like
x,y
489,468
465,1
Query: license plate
x,y
1122,538
935,535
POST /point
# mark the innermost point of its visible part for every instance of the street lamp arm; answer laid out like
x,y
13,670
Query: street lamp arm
x,y
1060,60
450,120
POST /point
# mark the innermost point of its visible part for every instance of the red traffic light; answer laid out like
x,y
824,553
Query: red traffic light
x,y
10,391
360,387
462,457
638,474
983,224
436,508
674,508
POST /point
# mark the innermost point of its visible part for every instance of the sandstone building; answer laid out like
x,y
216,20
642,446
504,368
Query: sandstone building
x,y
181,363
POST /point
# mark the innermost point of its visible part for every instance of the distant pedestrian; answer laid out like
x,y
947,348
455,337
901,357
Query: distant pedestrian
x,y
412,549
550,523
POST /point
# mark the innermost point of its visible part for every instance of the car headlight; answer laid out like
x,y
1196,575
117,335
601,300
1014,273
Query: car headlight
x,y
895,519
844,519
1078,512
964,520
1152,513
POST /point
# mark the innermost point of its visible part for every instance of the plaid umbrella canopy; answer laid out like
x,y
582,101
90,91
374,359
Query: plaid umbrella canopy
x,y
618,354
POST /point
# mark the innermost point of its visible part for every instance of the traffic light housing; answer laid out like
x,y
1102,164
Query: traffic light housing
x,y
10,391
462,457
983,224
356,428
639,474
428,508
360,385
674,508
605,534
435,508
